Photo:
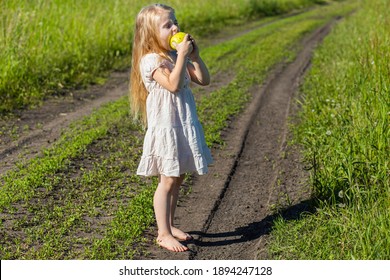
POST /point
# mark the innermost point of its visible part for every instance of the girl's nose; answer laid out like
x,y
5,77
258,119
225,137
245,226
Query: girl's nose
x,y
175,28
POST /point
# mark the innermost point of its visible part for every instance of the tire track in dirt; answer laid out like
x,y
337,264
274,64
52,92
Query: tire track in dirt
x,y
230,211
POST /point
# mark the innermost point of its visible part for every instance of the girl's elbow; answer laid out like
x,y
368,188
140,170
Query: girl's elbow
x,y
174,89
204,82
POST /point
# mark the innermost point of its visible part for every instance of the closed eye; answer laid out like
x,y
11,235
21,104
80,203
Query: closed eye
x,y
170,23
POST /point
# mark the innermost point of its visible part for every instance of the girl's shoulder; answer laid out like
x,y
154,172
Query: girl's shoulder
x,y
150,62
151,57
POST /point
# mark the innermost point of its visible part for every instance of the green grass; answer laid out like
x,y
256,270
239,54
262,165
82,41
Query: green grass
x,y
81,199
47,47
345,132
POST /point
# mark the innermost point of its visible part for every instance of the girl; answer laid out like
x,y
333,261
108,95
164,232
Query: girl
x,y
174,142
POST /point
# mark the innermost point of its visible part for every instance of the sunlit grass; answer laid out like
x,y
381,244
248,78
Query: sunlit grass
x,y
49,46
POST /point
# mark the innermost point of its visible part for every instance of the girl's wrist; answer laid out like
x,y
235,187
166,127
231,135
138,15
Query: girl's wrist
x,y
182,54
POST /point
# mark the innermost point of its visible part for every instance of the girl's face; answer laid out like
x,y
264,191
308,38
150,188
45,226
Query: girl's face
x,y
168,27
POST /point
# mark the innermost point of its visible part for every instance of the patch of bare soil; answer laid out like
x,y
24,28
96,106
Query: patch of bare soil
x,y
231,210
27,132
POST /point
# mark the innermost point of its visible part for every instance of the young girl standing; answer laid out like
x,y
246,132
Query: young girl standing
x,y
174,143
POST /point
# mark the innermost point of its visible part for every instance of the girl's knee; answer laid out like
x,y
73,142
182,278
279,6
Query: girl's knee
x,y
169,181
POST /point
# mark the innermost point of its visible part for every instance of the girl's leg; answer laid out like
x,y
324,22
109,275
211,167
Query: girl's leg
x,y
162,208
179,234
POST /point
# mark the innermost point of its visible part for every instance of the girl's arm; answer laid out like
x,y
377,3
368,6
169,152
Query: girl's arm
x,y
198,69
199,72
174,80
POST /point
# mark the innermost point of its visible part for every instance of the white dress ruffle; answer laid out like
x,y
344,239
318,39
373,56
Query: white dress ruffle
x,y
174,142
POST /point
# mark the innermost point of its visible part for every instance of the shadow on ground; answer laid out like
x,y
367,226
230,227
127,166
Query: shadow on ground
x,y
255,230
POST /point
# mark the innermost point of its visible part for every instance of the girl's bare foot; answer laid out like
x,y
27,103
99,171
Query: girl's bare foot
x,y
181,235
170,243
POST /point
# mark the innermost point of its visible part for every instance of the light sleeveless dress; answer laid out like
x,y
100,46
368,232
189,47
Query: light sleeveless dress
x,y
174,142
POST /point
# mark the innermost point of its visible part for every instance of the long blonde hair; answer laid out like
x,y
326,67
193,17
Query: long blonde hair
x,y
146,40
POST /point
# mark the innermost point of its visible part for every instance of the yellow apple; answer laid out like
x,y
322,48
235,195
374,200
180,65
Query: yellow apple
x,y
176,39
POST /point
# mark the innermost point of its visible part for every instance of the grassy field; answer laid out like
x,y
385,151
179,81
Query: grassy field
x,y
345,133
76,201
47,47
